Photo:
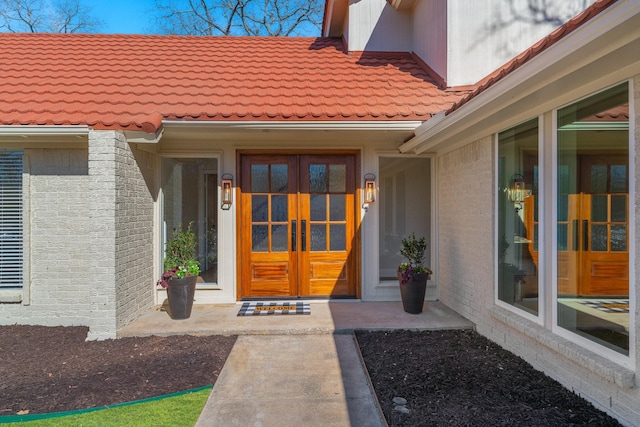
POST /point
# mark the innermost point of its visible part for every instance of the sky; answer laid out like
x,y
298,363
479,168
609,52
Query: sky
x,y
123,16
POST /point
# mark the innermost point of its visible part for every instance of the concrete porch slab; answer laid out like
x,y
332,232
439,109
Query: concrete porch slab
x,y
326,317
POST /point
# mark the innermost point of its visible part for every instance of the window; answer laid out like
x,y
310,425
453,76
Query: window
x,y
405,208
11,219
517,198
593,211
190,193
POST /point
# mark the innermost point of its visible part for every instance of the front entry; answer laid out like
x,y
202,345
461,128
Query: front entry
x,y
298,226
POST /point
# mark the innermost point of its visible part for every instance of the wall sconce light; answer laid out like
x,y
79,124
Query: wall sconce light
x,y
517,193
369,188
227,191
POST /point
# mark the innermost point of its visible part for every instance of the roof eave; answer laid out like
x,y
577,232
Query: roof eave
x,y
366,125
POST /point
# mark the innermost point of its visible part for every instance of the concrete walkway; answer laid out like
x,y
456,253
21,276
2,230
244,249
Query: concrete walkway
x,y
295,370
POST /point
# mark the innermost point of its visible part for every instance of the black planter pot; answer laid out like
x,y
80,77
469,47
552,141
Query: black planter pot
x,y
180,293
413,292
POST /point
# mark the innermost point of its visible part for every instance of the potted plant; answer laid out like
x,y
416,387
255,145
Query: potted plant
x,y
413,275
181,272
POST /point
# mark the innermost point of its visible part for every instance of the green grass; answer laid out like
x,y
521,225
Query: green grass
x,y
182,410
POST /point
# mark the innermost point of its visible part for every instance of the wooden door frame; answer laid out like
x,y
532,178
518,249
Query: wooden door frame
x,y
357,246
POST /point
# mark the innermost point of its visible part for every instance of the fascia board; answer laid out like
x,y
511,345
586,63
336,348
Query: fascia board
x,y
531,75
302,125
39,131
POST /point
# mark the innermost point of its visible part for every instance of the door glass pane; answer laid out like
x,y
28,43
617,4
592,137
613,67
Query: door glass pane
x,y
279,178
599,208
563,207
279,208
619,179
338,241
599,179
337,207
518,257
562,237
318,207
337,178
619,208
259,208
280,238
318,237
594,270
318,178
260,238
259,178
618,238
598,238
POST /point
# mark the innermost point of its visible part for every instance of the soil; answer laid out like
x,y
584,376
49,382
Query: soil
x,y
452,378
459,378
52,369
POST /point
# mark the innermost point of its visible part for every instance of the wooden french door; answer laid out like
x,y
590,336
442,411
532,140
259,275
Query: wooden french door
x,y
297,226
593,258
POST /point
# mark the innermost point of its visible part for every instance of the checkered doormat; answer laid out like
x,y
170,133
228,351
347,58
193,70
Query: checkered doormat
x,y
260,308
609,305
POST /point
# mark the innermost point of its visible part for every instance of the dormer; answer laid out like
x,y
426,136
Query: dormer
x,y
462,41
369,25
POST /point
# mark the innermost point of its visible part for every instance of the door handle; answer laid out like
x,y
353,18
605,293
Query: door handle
x,y
294,238
585,235
304,235
575,235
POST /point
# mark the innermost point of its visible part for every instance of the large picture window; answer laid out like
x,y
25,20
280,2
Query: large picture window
x,y
593,218
517,198
11,252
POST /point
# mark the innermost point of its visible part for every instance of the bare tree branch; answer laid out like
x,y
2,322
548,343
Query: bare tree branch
x,y
46,16
239,17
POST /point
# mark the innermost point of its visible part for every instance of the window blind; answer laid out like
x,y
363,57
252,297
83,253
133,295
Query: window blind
x,y
11,257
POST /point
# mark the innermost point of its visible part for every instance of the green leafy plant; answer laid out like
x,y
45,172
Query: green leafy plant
x,y
413,250
180,259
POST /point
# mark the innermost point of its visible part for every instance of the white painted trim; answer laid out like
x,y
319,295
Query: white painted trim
x,y
296,125
633,285
27,131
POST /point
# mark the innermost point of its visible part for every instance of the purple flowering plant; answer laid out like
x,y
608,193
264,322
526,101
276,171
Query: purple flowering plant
x,y
413,250
180,259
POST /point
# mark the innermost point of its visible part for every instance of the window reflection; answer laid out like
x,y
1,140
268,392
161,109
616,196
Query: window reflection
x,y
593,272
518,256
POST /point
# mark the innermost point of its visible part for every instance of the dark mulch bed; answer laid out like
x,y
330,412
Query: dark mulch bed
x,y
452,378
54,369
459,378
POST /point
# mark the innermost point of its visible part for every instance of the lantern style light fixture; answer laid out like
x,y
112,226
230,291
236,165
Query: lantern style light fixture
x,y
369,188
227,191
517,193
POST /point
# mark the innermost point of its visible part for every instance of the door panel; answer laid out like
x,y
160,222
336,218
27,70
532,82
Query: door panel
x,y
269,210
327,199
297,226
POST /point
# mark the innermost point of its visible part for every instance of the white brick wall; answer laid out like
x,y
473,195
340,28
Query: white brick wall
x,y
466,258
121,207
134,233
58,227
465,228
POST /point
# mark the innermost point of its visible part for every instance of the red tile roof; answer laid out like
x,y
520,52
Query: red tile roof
x,y
132,82
542,45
